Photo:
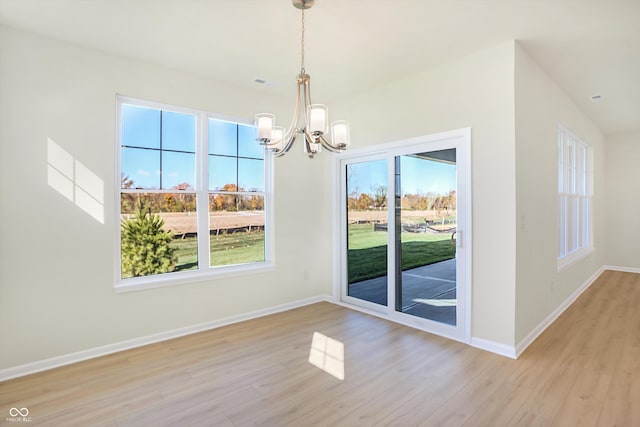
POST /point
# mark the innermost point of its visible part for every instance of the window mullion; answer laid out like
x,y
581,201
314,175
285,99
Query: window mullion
x,y
202,179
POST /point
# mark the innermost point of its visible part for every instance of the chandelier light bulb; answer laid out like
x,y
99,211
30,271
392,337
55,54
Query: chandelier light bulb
x,y
277,139
340,134
317,119
264,126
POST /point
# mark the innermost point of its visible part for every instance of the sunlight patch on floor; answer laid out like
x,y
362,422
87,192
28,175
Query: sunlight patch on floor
x,y
327,354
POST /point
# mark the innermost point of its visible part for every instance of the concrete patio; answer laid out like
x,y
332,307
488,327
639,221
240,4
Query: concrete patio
x,y
428,292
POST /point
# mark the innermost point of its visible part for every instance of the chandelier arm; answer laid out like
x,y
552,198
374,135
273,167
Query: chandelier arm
x,y
311,139
296,114
329,146
307,93
285,149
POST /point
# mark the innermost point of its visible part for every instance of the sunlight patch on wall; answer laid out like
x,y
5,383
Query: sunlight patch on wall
x,y
327,354
75,181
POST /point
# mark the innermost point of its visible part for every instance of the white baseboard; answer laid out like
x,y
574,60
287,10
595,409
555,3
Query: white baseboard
x,y
623,269
494,347
67,359
535,333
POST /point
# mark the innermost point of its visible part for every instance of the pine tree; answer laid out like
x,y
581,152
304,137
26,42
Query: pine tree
x,y
146,247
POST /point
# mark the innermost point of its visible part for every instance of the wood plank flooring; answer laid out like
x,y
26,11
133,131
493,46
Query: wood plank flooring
x,y
583,371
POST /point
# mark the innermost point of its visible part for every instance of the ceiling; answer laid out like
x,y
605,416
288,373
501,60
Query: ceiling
x,y
589,47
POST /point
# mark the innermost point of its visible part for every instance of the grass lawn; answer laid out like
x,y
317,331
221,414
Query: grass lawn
x,y
367,255
225,249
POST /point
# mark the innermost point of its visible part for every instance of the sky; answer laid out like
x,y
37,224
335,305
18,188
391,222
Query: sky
x,y
233,153
418,176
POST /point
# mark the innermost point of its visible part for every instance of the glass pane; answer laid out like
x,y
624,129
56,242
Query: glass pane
x,y
223,138
247,144
250,175
158,233
223,173
572,167
178,170
140,126
580,170
178,131
585,219
562,219
572,224
425,228
236,229
560,164
367,207
140,168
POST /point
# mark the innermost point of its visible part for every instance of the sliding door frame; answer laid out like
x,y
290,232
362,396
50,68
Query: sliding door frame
x,y
459,139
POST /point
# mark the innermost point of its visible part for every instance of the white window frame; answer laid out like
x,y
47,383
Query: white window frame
x,y
204,271
575,198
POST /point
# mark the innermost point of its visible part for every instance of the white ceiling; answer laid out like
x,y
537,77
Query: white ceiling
x,y
588,46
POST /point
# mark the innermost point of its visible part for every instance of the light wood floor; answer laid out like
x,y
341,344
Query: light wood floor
x,y
584,370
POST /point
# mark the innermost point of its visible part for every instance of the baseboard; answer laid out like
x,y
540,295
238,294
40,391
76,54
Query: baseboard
x,y
535,333
67,359
623,269
494,347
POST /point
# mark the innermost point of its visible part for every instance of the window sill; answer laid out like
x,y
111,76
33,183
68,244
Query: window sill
x,y
574,257
175,279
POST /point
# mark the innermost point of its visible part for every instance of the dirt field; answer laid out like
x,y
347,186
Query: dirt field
x,y
407,216
183,223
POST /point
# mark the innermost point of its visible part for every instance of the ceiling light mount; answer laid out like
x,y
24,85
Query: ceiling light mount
x,y
314,122
303,4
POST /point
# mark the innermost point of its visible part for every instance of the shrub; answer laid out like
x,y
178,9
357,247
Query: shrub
x,y
146,247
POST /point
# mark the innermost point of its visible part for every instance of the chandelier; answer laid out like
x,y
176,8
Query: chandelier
x,y
314,127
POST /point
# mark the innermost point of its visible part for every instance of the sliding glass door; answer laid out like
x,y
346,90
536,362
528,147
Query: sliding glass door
x,y
426,221
367,236
404,211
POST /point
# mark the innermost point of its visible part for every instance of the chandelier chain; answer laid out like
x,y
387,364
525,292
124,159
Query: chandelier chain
x,y
302,45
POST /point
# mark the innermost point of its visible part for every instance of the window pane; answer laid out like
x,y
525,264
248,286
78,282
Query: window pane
x,y
223,138
250,175
562,230
178,170
223,173
560,164
571,225
584,222
178,131
247,144
140,126
236,225
572,168
141,166
158,233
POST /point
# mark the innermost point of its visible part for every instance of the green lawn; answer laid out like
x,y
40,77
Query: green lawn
x,y
367,254
225,249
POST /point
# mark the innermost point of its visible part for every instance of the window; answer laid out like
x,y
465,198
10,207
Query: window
x,y
193,198
575,193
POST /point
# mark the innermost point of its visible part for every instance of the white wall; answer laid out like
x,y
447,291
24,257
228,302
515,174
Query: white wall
x,y
57,262
475,91
540,106
622,226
